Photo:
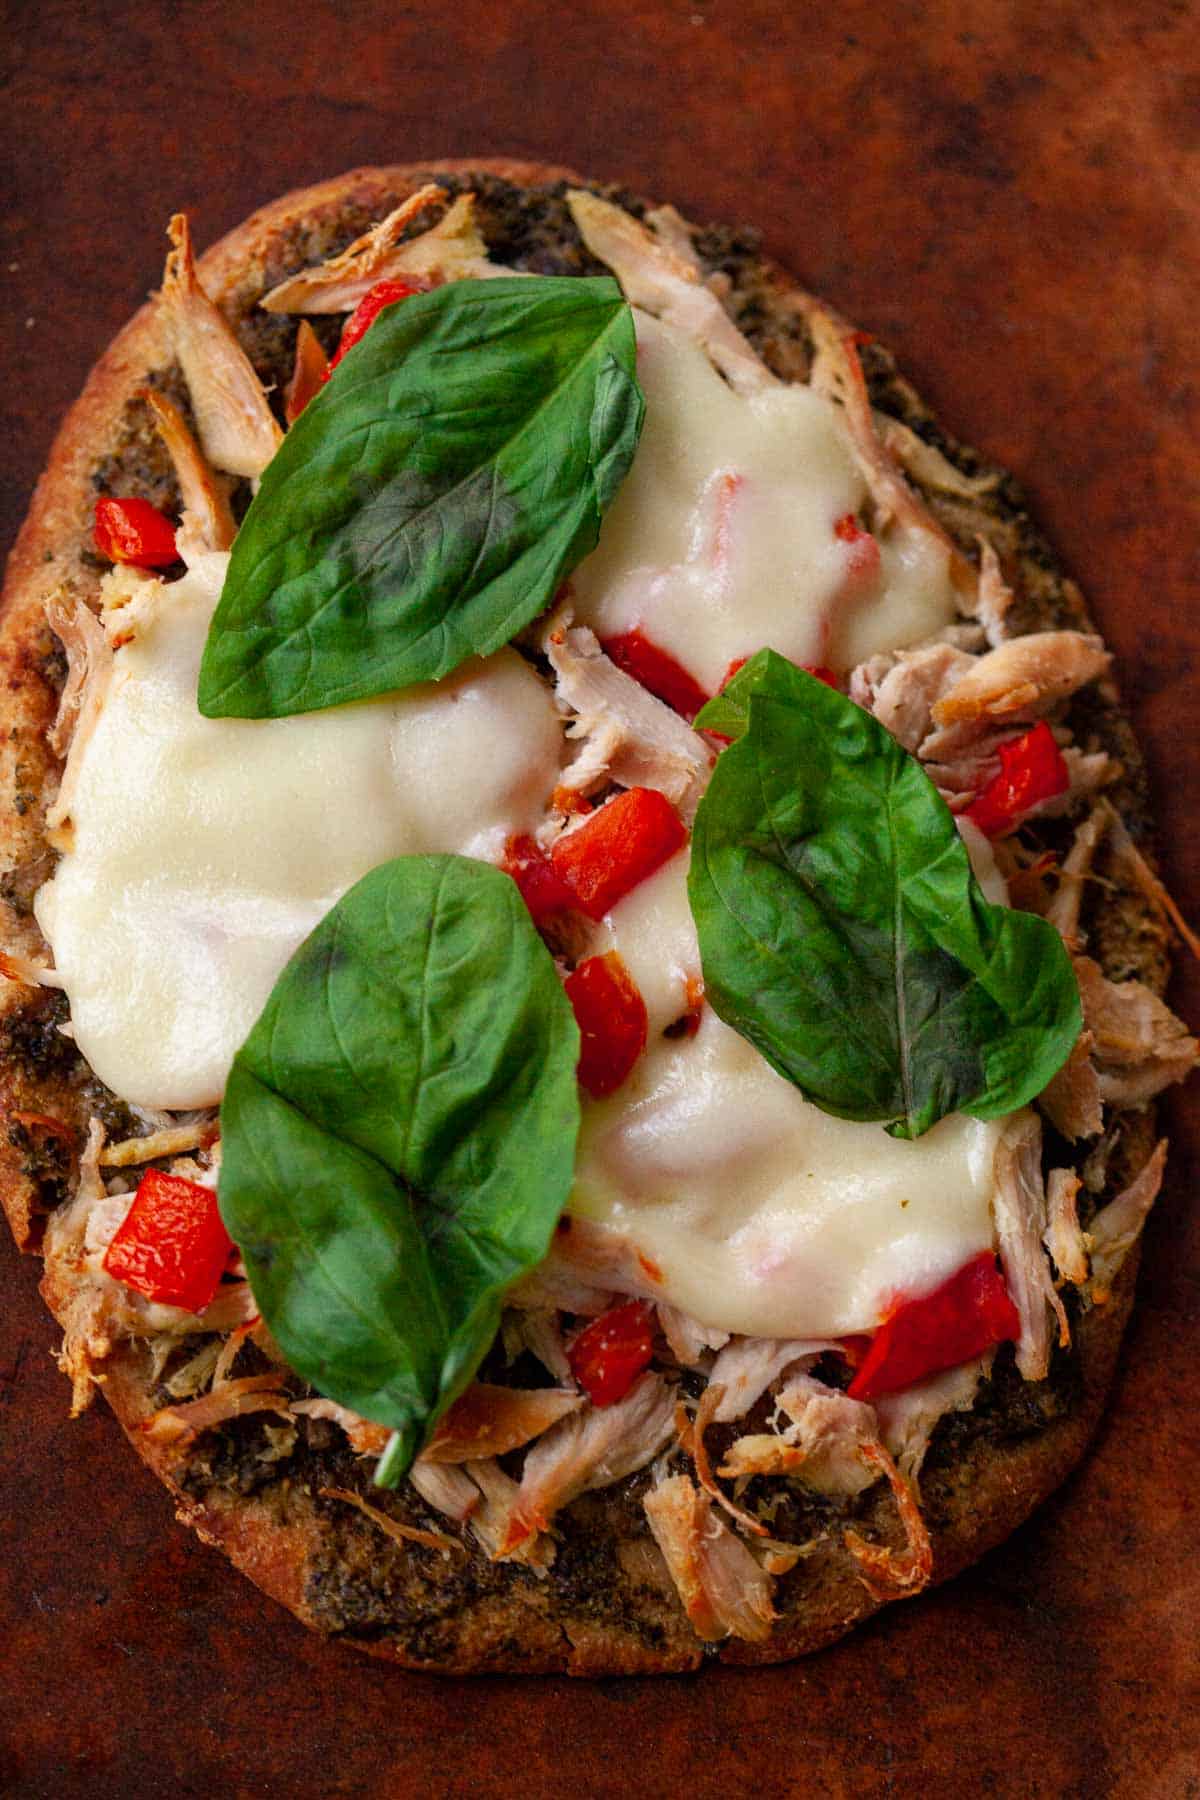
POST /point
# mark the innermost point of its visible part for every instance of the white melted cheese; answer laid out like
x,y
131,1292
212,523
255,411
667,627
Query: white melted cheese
x,y
205,850
722,540
762,1213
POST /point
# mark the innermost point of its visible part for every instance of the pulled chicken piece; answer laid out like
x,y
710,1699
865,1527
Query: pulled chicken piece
x,y
89,673
450,250
1139,1046
591,1449
1063,1237
655,275
490,1421
1020,1211
207,522
889,1574
746,1368
724,1591
627,735
1117,1226
1022,678
237,428
907,1419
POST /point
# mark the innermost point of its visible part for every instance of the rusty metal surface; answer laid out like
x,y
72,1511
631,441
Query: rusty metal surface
x,y
1007,194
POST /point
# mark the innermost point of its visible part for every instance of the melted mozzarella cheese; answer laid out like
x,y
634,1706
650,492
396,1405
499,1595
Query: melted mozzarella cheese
x,y
206,849
764,1214
722,540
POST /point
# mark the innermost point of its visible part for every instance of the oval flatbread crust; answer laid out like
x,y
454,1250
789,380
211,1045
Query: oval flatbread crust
x,y
606,1604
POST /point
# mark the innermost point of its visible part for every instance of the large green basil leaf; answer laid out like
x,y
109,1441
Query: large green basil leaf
x,y
429,500
841,928
398,1137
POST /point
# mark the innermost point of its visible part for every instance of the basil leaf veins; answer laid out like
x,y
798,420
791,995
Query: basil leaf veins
x,y
841,929
430,499
398,1137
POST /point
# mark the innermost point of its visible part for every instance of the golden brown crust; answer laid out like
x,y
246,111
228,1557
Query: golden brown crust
x,y
278,1540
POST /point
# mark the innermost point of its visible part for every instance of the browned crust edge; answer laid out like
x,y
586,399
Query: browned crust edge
x,y
1002,1486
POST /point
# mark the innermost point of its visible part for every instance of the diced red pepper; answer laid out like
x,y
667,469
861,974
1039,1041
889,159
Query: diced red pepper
x,y
1032,768
616,847
609,1354
171,1244
611,1016
133,531
668,680
384,293
541,889
962,1318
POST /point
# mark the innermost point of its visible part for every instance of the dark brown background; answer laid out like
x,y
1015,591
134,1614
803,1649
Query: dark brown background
x,y
1006,193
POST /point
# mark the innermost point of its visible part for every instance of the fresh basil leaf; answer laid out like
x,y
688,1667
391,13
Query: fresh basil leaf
x,y
841,929
398,1137
430,499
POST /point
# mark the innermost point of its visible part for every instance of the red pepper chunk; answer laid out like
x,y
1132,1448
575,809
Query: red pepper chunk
x,y
609,1354
666,679
611,1016
962,1318
171,1244
384,293
1032,768
616,847
133,531
541,889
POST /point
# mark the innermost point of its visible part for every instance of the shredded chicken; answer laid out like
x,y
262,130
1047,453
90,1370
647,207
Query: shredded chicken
x,y
690,1433
837,374
1139,1046
900,688
449,1490
309,370
400,1534
493,1525
907,1419
1064,1239
832,1431
657,277
724,1591
591,1449
926,464
174,1141
207,522
628,736
1144,878
366,1438
87,1308
994,596
1063,911
1023,678
746,1367
1071,1099
1020,1213
89,673
237,428
450,250
690,1342
889,1574
490,1421
1117,1226
249,1394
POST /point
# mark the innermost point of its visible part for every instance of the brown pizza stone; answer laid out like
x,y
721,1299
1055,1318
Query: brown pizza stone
x,y
607,1606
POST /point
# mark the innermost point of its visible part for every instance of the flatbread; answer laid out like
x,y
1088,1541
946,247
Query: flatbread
x,y
607,1605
